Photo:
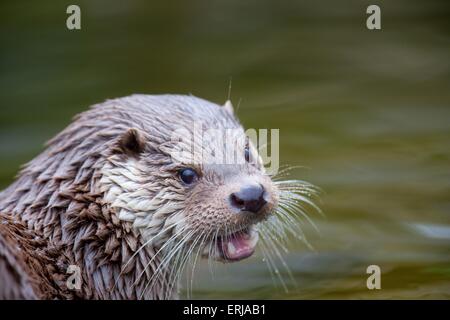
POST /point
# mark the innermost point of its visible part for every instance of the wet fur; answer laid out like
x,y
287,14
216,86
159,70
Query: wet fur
x,y
103,196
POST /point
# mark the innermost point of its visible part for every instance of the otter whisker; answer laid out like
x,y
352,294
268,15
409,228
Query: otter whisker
x,y
266,261
277,232
171,264
299,198
291,201
298,185
292,194
282,169
293,207
174,267
305,191
166,244
184,261
272,243
286,172
289,222
272,262
298,231
162,265
213,251
177,251
206,236
142,247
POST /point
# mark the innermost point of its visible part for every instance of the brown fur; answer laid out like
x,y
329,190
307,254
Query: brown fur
x,y
29,267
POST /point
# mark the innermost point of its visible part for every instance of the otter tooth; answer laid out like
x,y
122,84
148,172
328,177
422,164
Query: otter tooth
x,y
231,248
254,237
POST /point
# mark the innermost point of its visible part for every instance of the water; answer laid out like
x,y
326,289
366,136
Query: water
x,y
366,112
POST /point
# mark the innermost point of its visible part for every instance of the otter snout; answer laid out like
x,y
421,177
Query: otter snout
x,y
251,197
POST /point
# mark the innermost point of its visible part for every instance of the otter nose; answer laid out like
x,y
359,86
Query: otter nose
x,y
249,198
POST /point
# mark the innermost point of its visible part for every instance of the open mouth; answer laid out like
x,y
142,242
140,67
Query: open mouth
x,y
237,246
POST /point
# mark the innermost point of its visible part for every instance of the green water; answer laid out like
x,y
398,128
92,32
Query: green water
x,y
367,112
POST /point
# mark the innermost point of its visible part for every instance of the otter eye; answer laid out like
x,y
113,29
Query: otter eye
x,y
247,154
188,176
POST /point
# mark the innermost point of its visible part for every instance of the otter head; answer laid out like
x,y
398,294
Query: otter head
x,y
192,177
227,192
144,184
185,175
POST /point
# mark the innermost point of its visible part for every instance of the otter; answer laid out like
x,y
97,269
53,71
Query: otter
x,y
108,197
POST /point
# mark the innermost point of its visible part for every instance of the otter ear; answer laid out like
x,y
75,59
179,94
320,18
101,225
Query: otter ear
x,y
132,142
229,107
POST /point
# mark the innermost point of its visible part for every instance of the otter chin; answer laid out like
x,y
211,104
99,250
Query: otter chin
x,y
132,192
